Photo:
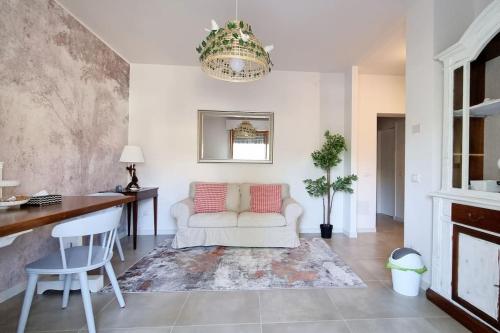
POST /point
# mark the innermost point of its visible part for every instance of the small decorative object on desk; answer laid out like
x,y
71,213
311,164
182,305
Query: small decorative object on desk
x,y
12,201
43,198
118,189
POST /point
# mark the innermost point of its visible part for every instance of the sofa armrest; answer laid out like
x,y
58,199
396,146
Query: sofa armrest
x,y
182,211
292,210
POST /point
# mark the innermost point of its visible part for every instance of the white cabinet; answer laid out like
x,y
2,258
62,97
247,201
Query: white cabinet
x,y
466,217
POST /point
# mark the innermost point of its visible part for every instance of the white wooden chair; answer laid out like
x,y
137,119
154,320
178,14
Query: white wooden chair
x,y
77,260
117,241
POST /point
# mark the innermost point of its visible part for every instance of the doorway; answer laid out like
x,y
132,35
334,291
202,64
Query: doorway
x,y
390,168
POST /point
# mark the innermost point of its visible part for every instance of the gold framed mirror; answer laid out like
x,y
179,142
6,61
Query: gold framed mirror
x,y
235,137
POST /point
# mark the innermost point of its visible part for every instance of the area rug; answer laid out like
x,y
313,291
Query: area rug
x,y
312,265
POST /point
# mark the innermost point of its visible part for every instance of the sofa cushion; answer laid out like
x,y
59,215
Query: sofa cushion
x,y
213,220
263,220
232,197
245,195
265,198
210,198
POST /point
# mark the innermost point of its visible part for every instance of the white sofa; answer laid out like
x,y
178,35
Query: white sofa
x,y
237,226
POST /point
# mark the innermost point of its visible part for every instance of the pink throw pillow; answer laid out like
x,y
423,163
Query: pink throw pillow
x,y
210,198
265,198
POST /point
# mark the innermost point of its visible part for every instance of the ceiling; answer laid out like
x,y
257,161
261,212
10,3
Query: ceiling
x,y
308,35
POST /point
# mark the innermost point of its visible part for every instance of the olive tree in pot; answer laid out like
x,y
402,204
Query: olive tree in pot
x,y
326,158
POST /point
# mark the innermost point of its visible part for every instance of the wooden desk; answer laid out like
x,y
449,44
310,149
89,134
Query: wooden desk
x,y
14,220
132,207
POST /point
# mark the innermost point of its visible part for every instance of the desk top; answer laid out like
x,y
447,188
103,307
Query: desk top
x,y
15,220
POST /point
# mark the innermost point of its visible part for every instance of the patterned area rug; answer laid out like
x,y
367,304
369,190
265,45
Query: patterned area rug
x,y
312,265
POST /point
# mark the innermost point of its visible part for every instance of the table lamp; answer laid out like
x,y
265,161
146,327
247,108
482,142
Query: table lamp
x,y
132,155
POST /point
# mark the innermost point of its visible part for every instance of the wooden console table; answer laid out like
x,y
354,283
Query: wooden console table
x,y
132,208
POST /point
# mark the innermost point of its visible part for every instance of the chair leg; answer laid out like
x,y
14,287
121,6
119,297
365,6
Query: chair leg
x,y
67,288
119,247
114,283
28,298
87,303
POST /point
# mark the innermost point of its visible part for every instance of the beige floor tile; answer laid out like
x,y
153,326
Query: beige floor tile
x,y
398,325
376,268
375,301
296,305
142,310
245,328
312,327
133,330
220,307
446,325
46,313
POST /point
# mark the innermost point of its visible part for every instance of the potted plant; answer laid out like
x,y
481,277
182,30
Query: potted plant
x,y
326,158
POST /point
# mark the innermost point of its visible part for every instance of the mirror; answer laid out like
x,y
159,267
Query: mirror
x,y
235,137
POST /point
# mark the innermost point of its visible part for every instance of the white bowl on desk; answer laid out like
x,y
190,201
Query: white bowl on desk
x,y
20,200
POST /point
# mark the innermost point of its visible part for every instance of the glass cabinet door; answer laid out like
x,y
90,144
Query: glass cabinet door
x,y
458,79
484,120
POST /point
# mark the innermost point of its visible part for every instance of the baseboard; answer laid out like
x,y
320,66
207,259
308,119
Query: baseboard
x,y
398,219
12,291
460,315
366,230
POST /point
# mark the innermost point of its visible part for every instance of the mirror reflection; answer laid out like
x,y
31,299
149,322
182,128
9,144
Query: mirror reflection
x,y
235,137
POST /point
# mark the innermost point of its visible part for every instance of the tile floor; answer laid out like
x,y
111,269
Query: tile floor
x,y
373,309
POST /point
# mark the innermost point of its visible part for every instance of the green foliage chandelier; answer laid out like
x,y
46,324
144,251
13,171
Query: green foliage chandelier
x,y
233,53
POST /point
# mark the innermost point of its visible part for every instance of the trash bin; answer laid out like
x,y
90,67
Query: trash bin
x,y
407,268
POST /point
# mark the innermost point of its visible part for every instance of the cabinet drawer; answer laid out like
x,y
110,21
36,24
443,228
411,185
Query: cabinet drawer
x,y
477,217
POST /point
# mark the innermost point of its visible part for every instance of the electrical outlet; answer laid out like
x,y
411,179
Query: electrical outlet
x,y
416,178
415,129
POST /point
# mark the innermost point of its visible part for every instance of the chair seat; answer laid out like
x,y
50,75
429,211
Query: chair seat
x,y
76,260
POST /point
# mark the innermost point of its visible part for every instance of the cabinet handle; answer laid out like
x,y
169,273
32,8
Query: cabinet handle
x,y
472,218
496,286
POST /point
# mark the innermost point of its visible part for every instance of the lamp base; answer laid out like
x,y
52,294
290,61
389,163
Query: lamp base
x,y
132,186
134,183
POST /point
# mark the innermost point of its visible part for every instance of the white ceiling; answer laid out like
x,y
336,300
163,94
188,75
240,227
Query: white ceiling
x,y
309,35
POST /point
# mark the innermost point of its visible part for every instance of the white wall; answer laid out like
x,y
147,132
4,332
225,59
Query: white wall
x,y
163,120
332,117
351,110
378,95
400,170
431,26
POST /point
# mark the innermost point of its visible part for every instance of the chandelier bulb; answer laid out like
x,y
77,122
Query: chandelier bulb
x,y
237,64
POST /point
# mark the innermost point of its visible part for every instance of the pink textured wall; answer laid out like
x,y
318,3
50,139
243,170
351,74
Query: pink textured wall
x,y
63,113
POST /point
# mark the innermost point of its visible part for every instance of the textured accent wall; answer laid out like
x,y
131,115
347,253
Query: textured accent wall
x,y
63,113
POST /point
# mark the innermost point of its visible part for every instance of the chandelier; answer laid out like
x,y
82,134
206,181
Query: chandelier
x,y
245,130
233,53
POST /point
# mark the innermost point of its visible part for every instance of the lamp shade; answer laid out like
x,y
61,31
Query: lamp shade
x,y
132,154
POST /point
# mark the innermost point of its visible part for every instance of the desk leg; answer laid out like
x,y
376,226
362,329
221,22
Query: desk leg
x,y
155,207
129,213
134,222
